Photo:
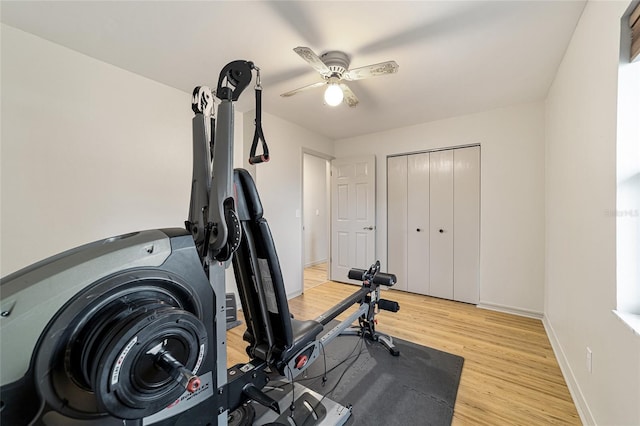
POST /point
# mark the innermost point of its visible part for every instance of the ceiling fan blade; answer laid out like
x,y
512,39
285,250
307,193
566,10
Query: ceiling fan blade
x,y
303,88
313,60
375,70
349,97
301,18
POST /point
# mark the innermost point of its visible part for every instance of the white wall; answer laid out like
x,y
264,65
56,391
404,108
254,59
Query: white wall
x,y
88,150
280,185
512,194
580,289
316,210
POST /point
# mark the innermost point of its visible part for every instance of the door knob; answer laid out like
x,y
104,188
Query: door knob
x,y
418,230
368,228
441,231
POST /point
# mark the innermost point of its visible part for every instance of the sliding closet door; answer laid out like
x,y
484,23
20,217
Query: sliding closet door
x,y
418,223
466,222
397,219
441,229
433,222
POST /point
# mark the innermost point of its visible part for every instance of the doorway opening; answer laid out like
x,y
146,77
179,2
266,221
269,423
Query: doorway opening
x,y
316,219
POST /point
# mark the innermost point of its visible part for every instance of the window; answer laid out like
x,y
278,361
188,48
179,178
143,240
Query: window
x,y
627,213
634,25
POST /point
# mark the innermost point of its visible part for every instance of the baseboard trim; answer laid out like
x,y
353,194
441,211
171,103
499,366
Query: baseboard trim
x,y
511,310
294,294
586,416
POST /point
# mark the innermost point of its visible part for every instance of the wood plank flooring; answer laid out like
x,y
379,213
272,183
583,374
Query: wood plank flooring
x,y
510,375
315,275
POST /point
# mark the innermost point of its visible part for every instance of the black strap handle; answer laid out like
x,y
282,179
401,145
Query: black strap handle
x,y
258,135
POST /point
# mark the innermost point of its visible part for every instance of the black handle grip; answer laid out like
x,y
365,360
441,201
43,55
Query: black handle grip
x,y
259,159
356,274
385,279
381,278
260,397
258,135
388,305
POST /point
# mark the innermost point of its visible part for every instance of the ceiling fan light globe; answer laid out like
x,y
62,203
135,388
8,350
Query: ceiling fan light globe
x,y
333,96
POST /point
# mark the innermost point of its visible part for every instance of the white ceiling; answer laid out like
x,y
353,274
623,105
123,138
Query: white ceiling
x,y
455,57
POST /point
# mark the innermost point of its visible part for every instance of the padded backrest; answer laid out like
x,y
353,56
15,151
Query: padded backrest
x,y
259,278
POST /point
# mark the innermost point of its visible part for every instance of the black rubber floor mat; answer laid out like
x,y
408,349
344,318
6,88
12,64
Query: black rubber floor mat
x,y
419,387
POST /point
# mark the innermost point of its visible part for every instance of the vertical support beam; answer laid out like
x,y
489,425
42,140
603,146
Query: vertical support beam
x,y
222,182
217,280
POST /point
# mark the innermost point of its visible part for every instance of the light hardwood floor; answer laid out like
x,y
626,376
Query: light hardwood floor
x,y
510,374
315,275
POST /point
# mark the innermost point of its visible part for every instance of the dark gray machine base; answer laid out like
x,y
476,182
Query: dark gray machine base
x,y
310,407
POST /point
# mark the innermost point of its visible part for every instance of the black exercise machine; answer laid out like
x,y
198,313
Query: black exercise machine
x,y
131,330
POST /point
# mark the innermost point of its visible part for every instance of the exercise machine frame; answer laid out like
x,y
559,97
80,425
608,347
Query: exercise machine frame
x,y
222,223
159,263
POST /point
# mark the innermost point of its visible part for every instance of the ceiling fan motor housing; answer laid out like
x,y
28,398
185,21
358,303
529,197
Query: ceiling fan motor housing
x,y
337,62
333,66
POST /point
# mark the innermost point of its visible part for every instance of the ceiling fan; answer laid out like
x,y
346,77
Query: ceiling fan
x,y
333,66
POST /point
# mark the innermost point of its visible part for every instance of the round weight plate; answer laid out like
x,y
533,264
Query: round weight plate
x,y
69,348
127,383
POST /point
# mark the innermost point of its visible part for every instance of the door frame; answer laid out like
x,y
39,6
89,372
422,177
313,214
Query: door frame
x,y
328,158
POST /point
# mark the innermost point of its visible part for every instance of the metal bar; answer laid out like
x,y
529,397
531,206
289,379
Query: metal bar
x,y
470,145
335,331
222,183
201,178
356,297
217,280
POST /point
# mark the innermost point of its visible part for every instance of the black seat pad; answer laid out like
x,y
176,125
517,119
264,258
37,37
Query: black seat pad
x,y
289,335
304,332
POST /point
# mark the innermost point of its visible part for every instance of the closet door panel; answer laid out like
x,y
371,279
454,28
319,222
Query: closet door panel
x,y
466,222
418,223
397,219
441,224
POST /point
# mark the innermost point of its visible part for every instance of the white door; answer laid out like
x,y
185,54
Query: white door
x,y
441,229
466,222
418,223
353,217
397,235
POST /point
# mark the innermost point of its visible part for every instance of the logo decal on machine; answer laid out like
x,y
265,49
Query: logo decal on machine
x,y
200,358
115,374
186,401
